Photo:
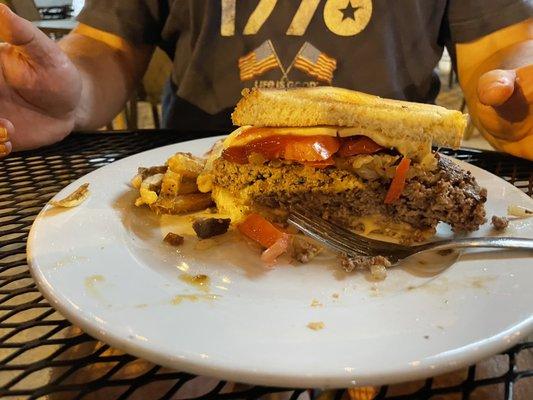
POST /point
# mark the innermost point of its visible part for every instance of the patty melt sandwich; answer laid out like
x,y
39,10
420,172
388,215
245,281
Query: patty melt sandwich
x,y
359,160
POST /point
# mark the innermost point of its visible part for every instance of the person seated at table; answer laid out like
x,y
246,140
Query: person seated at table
x,y
383,47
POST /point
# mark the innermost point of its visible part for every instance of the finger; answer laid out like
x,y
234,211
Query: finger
x,y
5,149
524,79
496,87
6,130
28,38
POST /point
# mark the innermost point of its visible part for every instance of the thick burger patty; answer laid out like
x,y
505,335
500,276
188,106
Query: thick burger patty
x,y
446,194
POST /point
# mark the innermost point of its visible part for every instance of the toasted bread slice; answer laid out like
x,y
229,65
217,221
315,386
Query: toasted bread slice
x,y
393,119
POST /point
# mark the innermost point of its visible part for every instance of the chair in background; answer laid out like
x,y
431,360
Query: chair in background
x,y
55,28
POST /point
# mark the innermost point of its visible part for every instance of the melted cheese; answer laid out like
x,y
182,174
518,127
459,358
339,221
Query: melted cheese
x,y
378,227
228,204
246,134
418,150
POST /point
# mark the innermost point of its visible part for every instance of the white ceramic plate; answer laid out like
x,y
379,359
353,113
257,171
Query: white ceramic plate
x,y
105,267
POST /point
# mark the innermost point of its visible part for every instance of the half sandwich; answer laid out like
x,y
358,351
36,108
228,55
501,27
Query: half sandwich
x,y
359,160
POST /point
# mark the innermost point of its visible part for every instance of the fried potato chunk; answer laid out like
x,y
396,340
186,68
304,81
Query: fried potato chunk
x,y
148,189
186,164
175,183
172,189
182,203
74,199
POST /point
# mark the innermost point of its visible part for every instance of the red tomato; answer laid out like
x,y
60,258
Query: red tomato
x,y
293,148
271,147
311,148
236,154
354,145
261,230
398,182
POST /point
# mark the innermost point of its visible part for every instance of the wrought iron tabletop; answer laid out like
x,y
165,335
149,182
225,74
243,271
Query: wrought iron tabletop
x,y
42,356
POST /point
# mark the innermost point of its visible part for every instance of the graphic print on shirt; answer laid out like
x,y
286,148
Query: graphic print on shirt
x,y
258,61
341,17
347,18
315,63
309,60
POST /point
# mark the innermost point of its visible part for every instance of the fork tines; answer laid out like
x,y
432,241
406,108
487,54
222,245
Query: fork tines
x,y
337,237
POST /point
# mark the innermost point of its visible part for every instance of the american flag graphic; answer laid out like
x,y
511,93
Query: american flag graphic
x,y
315,63
258,61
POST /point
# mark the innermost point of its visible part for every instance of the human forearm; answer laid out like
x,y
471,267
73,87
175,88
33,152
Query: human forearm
x,y
110,71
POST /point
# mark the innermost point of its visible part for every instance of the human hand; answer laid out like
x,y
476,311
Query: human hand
x,y
40,88
505,108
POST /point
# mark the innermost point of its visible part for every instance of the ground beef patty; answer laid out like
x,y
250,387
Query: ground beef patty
x,y
446,193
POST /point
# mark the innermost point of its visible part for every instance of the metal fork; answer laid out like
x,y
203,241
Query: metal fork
x,y
344,241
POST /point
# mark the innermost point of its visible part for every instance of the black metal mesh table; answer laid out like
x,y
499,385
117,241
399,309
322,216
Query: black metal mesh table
x,y
43,356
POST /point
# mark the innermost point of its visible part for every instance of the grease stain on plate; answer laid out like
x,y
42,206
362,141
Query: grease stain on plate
x,y
178,299
200,282
316,326
442,285
90,281
91,286
316,303
481,281
69,260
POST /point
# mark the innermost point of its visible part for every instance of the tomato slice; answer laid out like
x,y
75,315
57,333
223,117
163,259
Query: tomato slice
x,y
311,148
235,154
270,148
259,229
294,148
352,146
398,182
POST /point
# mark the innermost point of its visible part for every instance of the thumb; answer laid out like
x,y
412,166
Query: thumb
x,y
28,38
6,130
496,87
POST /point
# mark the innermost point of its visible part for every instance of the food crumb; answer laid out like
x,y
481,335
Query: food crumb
x,y
377,265
174,239
378,272
335,295
500,223
303,251
316,326
316,303
426,336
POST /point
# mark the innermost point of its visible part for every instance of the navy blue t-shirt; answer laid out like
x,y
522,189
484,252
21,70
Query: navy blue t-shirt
x,y
385,47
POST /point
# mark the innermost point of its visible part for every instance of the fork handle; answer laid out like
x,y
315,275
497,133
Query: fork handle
x,y
492,242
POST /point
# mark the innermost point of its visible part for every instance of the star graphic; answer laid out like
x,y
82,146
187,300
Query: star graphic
x,y
349,11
